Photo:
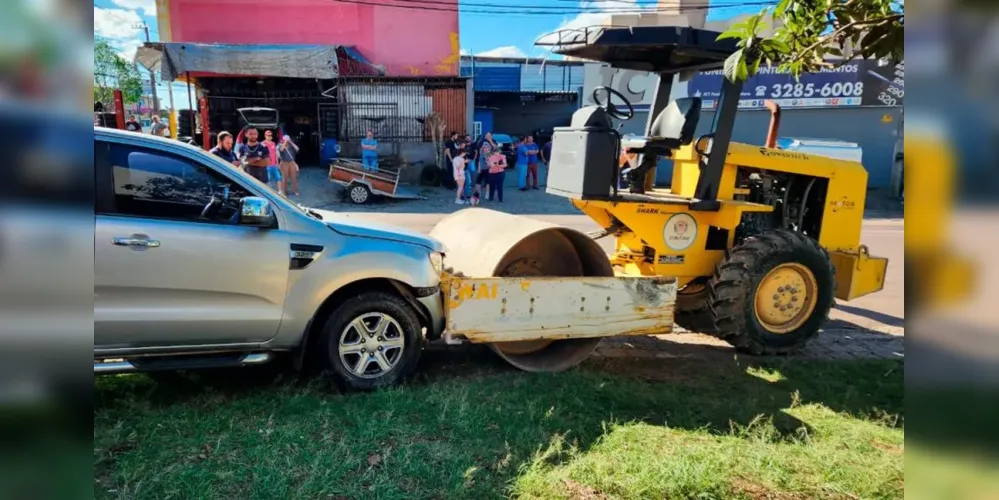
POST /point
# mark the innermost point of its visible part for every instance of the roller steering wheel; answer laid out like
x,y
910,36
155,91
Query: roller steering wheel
x,y
609,106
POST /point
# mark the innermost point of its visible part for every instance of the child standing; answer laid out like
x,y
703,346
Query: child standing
x,y
458,168
497,174
274,179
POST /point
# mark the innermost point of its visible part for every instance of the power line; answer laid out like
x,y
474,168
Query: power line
x,y
443,6
577,10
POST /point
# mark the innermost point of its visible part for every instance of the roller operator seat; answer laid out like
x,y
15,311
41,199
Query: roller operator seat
x,y
673,127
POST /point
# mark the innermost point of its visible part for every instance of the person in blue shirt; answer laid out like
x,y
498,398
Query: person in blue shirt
x,y
369,152
523,152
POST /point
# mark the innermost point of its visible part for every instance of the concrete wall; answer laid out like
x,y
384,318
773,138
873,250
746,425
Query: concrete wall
x,y
406,42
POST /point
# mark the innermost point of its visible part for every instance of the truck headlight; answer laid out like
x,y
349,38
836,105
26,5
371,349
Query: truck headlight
x,y
437,261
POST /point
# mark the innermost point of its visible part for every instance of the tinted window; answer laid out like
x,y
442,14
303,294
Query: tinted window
x,y
151,183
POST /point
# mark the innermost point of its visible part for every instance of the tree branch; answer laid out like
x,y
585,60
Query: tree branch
x,y
839,31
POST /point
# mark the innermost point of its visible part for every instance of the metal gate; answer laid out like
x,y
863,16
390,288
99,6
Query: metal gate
x,y
328,118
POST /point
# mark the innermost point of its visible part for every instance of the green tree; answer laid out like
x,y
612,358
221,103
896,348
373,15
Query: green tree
x,y
111,71
811,32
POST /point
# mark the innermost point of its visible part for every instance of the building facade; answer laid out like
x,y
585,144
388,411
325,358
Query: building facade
x,y
404,41
521,96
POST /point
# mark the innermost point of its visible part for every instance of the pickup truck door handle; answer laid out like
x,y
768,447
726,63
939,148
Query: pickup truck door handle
x,y
135,242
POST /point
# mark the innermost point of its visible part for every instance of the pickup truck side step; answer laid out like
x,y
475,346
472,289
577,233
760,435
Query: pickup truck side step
x,y
190,362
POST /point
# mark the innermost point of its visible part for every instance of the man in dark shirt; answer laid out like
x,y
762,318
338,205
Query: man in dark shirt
x,y
451,151
469,146
546,153
224,149
255,156
133,125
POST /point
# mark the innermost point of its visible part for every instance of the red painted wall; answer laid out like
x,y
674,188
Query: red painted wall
x,y
405,41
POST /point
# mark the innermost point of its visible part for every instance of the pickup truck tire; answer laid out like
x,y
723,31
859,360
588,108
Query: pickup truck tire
x,y
372,340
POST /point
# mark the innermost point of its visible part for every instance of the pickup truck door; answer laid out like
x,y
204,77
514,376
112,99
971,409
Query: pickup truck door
x,y
164,277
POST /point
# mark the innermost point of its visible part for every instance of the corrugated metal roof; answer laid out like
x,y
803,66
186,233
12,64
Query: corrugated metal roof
x,y
521,60
544,78
495,76
505,79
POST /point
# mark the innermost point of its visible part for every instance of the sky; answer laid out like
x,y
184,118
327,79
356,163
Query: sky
x,y
492,33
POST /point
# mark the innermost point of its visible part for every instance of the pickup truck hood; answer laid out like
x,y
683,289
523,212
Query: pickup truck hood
x,y
352,225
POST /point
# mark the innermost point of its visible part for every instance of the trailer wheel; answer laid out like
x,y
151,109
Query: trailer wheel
x,y
771,294
430,176
370,341
359,194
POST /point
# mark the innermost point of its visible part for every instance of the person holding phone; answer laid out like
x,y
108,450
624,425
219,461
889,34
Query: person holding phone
x,y
286,161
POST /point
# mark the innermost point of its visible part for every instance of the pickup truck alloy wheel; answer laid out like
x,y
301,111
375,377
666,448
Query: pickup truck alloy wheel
x,y
373,339
371,345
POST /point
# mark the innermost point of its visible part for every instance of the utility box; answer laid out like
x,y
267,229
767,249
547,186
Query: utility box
x,y
840,150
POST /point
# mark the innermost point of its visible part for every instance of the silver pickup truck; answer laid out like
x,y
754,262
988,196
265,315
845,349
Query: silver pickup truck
x,y
197,264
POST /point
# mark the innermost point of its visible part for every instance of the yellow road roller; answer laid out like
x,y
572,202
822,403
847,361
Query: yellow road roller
x,y
751,243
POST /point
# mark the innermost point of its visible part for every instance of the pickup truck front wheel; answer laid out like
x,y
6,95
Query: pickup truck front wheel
x,y
372,340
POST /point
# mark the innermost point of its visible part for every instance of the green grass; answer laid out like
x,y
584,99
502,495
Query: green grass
x,y
666,429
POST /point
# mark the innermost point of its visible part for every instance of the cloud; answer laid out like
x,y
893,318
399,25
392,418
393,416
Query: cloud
x,y
504,51
464,52
115,24
595,13
148,7
127,48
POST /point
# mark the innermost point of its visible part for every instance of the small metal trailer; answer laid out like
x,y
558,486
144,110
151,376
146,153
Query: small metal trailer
x,y
361,184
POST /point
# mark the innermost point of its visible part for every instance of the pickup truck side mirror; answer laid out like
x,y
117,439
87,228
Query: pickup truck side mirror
x,y
256,212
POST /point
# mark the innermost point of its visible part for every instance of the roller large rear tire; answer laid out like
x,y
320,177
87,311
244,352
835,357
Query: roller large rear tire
x,y
770,295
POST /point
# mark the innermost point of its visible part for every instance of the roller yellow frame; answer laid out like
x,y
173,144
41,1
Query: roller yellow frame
x,y
857,273
751,243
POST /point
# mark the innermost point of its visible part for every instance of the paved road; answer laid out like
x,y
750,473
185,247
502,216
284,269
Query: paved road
x,y
869,327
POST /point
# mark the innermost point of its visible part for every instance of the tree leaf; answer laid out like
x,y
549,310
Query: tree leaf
x,y
729,34
731,67
781,8
742,73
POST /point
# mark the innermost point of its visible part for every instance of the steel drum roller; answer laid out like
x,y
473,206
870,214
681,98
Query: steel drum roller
x,y
486,243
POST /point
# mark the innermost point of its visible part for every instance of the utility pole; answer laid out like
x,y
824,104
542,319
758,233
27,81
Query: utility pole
x,y
152,74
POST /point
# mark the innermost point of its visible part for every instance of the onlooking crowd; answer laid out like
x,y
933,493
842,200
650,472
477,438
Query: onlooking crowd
x,y
269,162
479,168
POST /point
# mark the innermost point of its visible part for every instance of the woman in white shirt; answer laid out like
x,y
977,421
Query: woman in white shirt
x,y
458,168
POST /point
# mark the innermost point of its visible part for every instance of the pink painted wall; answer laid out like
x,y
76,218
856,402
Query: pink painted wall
x,y
405,41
